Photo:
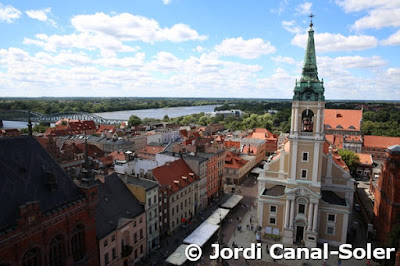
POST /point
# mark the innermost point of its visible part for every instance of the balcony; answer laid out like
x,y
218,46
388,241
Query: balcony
x,y
126,251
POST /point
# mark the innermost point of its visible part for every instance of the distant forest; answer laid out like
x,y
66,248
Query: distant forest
x,y
379,118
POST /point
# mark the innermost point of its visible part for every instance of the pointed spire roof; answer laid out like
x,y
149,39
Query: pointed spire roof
x,y
309,88
310,60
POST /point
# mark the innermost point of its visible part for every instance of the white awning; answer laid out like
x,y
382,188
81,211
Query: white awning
x,y
256,170
232,202
217,216
178,257
202,234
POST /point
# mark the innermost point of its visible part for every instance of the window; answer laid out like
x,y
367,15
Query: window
x,y
304,173
172,211
135,254
304,157
105,243
150,230
155,198
272,209
149,201
114,253
106,260
307,119
330,230
56,254
155,226
78,243
135,238
141,249
302,208
134,223
272,220
141,233
112,238
31,257
140,220
331,217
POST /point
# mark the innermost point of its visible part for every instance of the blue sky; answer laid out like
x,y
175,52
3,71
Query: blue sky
x,y
208,48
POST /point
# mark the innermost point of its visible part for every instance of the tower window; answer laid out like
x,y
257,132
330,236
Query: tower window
x,y
302,208
304,173
304,157
307,121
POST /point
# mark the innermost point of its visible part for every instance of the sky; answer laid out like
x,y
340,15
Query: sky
x,y
189,48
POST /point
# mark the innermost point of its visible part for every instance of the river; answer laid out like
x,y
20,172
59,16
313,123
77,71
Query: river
x,y
143,113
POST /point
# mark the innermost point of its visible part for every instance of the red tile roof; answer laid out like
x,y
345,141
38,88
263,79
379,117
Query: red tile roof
x,y
107,128
365,159
176,175
233,161
335,155
339,119
380,141
335,140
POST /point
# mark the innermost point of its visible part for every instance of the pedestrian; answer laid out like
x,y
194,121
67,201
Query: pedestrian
x,y
252,227
240,219
267,249
248,227
251,220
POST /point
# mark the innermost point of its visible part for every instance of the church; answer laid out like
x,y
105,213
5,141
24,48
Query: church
x,y
305,191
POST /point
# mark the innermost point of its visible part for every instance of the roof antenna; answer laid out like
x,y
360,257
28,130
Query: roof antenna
x,y
311,16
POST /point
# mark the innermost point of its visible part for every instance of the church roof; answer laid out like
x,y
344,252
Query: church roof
x,y
275,191
332,198
309,88
25,171
339,119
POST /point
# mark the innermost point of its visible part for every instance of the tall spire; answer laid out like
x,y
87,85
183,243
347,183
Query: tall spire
x,y
309,88
310,60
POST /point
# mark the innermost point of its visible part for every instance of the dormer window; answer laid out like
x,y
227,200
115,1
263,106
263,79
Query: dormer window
x,y
307,121
339,127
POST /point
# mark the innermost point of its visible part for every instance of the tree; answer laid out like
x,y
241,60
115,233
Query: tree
x,y
134,120
350,158
166,118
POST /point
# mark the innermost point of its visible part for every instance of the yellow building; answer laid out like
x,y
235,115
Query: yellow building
x,y
305,189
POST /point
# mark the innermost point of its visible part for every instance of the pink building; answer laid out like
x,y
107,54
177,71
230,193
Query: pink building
x,y
120,224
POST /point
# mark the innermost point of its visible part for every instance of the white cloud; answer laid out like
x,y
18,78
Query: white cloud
x,y
128,27
380,13
9,13
291,27
286,60
304,8
379,18
279,10
359,5
247,49
351,62
328,42
81,41
393,39
40,14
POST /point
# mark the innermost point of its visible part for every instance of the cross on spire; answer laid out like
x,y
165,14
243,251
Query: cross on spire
x,y
311,16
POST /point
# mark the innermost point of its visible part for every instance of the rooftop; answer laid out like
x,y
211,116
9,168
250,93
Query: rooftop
x,y
275,191
380,141
332,198
141,182
115,202
25,171
340,119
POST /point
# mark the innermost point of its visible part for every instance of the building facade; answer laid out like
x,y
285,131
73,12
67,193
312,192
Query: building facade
x,y
305,189
51,221
387,198
146,191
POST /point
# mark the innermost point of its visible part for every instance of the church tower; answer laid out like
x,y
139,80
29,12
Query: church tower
x,y
305,189
306,144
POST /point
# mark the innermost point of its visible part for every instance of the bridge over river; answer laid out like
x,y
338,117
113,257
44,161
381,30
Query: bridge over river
x,y
23,115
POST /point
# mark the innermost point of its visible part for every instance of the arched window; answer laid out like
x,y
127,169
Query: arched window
x,y
56,254
31,257
78,243
307,121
